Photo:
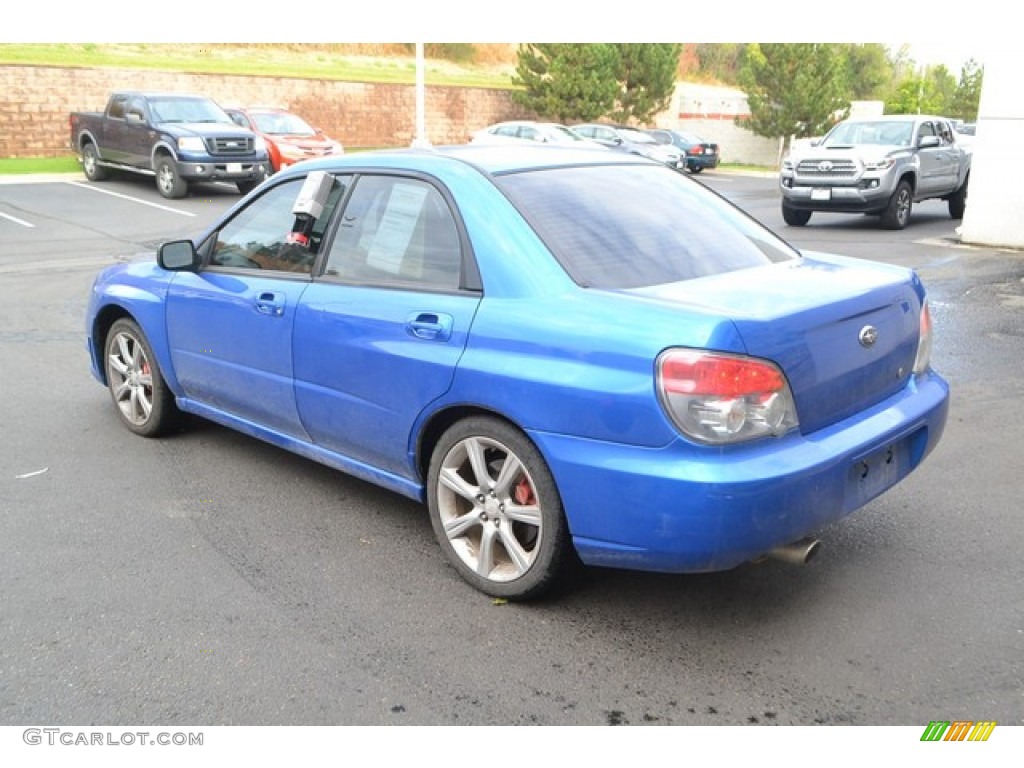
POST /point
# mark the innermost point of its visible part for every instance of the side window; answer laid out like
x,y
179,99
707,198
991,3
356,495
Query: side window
x,y
529,132
945,132
136,108
117,107
267,235
926,129
397,231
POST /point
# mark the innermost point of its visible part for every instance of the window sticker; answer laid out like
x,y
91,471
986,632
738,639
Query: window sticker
x,y
396,227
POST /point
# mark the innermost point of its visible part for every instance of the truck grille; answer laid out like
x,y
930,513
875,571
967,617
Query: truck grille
x,y
827,168
230,145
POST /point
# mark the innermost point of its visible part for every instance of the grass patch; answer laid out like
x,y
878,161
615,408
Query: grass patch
x,y
312,62
24,165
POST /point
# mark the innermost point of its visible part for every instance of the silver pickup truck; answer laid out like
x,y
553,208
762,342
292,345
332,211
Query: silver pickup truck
x,y
879,166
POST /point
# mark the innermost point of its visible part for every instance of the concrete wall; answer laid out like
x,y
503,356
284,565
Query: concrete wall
x,y
35,102
995,199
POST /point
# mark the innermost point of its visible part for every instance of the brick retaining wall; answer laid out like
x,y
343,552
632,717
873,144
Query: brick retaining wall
x,y
35,102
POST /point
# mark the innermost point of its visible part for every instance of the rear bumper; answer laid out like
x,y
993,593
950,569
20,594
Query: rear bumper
x,y
686,508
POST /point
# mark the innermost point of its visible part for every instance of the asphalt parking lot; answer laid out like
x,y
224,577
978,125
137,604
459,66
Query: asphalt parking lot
x,y
210,578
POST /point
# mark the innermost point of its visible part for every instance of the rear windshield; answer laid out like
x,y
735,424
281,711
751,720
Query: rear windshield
x,y
629,226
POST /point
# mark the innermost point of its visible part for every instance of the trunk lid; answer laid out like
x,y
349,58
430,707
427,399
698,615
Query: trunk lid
x,y
844,331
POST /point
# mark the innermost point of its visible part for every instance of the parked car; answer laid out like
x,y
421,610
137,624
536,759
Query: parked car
x,y
633,140
175,138
526,340
289,138
700,154
880,166
529,130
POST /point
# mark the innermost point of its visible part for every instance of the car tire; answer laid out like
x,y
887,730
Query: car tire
x,y
168,181
91,163
140,393
245,187
958,201
897,212
500,524
794,217
695,169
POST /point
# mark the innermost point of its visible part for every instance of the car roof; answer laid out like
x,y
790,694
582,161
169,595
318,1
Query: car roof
x,y
488,158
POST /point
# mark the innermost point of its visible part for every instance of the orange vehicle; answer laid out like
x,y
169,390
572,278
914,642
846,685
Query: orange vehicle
x,y
289,138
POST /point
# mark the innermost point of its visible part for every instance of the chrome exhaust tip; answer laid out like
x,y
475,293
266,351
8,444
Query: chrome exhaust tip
x,y
798,552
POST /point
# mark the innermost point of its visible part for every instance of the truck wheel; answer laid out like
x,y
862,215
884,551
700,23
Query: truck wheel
x,y
958,202
168,181
897,212
91,164
245,187
793,217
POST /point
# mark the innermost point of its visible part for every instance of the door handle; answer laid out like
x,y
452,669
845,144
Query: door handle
x,y
270,303
430,326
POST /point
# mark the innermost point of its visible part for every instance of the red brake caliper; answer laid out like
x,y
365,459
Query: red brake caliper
x,y
523,493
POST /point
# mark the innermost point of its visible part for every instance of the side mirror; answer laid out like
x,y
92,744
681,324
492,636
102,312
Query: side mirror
x,y
928,141
178,256
133,117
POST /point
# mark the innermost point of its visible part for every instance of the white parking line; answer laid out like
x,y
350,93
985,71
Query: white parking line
x,y
17,221
128,197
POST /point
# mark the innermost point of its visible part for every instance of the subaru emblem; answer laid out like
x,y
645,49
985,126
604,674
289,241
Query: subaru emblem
x,y
868,336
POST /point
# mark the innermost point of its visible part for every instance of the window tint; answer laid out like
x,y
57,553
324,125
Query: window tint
x,y
397,230
636,225
267,235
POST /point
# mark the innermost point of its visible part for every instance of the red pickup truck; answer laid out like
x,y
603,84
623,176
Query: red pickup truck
x,y
176,138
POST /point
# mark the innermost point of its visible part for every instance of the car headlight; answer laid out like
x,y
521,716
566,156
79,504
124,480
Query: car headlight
x,y
787,164
191,144
880,165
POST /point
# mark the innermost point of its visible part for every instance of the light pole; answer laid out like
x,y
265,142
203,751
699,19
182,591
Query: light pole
x,y
421,140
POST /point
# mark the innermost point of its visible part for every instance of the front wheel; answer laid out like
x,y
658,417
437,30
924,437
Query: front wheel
x,y
144,402
168,181
495,509
897,212
793,217
245,187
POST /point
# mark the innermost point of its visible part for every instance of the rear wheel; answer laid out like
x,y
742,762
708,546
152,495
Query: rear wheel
x,y
793,217
168,181
696,169
144,402
495,509
91,164
958,202
897,212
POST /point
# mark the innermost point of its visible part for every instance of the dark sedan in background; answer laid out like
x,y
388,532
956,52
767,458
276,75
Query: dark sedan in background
x,y
700,154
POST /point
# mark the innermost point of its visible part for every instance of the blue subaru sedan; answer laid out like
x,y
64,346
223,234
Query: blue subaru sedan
x,y
533,342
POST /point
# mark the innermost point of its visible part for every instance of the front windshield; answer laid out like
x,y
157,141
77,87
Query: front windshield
x,y
282,122
882,132
628,226
186,110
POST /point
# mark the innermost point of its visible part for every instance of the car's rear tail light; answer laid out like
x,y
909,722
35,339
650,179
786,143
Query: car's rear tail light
x,y
719,398
924,341
695,151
